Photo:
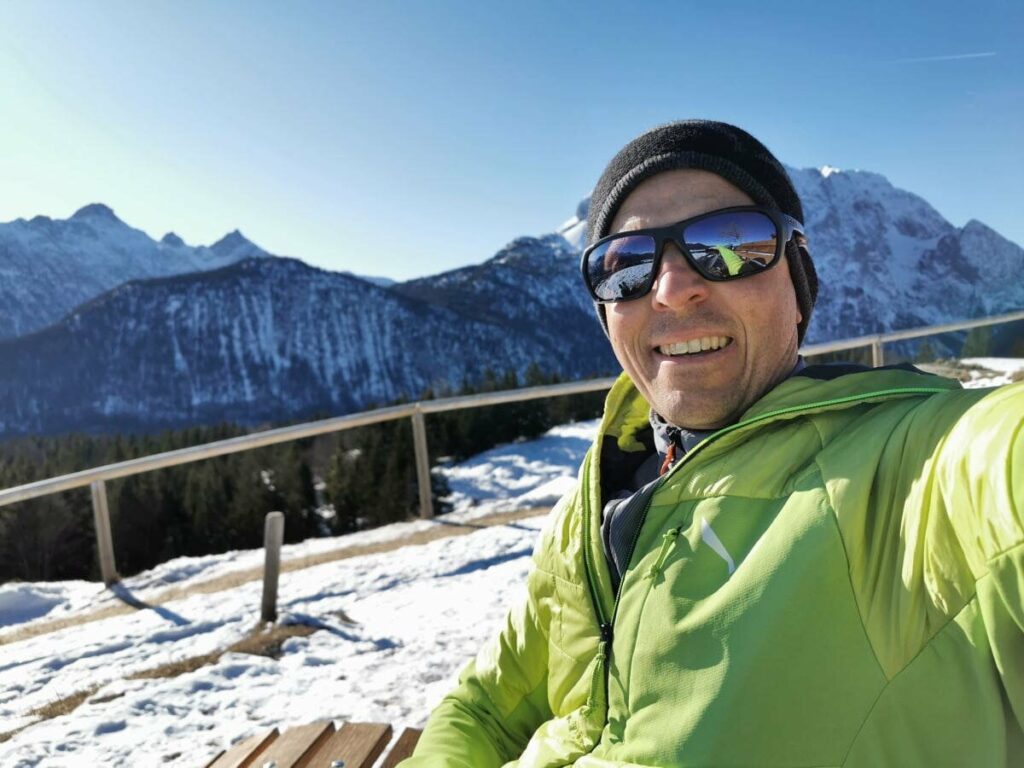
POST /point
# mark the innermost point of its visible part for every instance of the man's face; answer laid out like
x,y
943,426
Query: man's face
x,y
758,315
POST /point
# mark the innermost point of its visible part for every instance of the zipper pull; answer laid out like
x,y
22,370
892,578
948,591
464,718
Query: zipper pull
x,y
606,633
668,540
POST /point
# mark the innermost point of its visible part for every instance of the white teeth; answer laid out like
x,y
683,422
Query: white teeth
x,y
703,344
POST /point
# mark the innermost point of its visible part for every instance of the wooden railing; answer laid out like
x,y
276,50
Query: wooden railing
x,y
96,478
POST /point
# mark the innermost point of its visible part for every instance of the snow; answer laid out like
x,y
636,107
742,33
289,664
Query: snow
x,y
395,629
992,371
20,602
527,474
574,230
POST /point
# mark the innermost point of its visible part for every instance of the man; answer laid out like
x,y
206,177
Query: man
x,y
764,563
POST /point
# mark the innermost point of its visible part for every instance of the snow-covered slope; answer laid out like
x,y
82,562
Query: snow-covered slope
x,y
49,266
395,630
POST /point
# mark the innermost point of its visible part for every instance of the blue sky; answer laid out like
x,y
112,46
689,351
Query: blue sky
x,y
406,138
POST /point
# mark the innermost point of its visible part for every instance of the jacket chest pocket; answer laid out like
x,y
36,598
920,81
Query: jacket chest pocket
x,y
738,637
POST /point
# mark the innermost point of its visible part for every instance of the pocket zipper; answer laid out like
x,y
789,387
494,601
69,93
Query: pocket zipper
x,y
668,541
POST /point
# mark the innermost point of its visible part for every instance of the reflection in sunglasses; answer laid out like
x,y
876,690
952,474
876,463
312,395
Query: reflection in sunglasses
x,y
720,246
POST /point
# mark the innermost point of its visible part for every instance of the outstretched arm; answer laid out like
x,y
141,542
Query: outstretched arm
x,y
981,477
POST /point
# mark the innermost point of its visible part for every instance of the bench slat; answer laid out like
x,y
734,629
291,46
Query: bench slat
x,y
403,747
244,751
296,746
358,744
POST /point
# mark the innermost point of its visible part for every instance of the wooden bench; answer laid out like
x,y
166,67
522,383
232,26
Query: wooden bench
x,y
319,745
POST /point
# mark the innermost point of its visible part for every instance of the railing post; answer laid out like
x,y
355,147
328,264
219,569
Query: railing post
x,y
273,536
419,441
877,353
104,541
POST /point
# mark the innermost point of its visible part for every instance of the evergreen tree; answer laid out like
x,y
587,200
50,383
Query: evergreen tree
x,y
978,342
342,491
249,503
925,353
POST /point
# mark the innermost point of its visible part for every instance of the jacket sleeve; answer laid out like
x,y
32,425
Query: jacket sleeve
x,y
501,698
981,477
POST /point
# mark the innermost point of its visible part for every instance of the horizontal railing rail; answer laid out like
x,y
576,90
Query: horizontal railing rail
x,y
97,477
876,340
287,434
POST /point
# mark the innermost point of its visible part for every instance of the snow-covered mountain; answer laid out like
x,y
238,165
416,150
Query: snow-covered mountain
x,y
263,339
531,286
273,339
50,266
888,260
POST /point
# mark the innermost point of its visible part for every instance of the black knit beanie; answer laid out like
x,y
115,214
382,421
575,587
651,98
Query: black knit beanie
x,y
723,149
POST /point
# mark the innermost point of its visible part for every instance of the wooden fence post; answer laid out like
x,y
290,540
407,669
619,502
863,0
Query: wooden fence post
x,y
419,441
104,541
273,535
877,354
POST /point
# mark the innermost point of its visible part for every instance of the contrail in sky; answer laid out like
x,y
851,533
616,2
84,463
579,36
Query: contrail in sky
x,y
953,57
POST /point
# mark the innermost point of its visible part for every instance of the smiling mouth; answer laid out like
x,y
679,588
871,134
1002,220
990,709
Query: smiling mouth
x,y
703,345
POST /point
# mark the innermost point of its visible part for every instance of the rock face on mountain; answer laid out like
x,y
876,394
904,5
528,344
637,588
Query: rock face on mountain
x,y
268,339
261,340
50,266
888,260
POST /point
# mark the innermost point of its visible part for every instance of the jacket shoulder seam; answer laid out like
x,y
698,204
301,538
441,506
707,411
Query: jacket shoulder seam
x,y
889,680
853,590
846,553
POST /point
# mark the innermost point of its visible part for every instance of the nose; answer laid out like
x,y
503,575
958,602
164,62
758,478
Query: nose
x,y
677,284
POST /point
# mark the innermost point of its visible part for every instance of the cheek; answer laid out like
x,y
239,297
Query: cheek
x,y
775,302
622,327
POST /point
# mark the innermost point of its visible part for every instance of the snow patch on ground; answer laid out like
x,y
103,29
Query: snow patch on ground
x,y
533,473
997,370
21,602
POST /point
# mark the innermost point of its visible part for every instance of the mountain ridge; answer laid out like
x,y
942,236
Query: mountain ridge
x,y
291,339
256,341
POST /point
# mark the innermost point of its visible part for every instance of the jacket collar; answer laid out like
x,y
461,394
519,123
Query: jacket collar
x,y
627,412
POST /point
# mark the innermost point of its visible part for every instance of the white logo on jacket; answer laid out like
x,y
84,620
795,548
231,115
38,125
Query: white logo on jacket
x,y
707,533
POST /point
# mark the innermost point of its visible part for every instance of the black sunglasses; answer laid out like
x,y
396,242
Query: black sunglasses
x,y
728,244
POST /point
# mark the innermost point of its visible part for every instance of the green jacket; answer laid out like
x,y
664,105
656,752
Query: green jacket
x,y
836,580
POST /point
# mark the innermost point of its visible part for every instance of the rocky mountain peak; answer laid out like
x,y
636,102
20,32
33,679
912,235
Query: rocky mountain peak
x,y
230,241
95,212
236,245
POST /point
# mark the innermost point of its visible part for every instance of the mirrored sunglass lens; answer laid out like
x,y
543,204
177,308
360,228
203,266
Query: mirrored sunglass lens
x,y
621,268
732,244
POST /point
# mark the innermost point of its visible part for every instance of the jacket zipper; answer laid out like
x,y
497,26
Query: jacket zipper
x,y
604,625
607,628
